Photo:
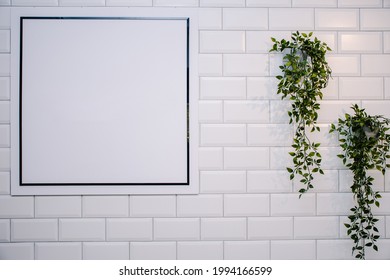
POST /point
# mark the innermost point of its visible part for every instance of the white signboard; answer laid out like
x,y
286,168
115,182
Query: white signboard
x,y
104,104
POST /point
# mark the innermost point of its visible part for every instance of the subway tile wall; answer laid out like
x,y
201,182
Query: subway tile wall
x,y
247,207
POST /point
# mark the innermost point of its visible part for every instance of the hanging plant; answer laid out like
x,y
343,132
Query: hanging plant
x,y
305,74
365,144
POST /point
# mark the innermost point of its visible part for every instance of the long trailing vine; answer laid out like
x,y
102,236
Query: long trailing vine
x,y
305,73
365,142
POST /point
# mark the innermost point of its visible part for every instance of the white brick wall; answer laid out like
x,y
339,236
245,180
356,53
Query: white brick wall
x,y
247,207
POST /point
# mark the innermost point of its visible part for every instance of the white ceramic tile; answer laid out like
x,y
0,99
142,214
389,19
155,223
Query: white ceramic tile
x,y
342,19
280,158
379,107
201,250
5,41
5,182
291,19
268,3
5,18
270,228
210,18
384,208
4,112
360,3
387,227
105,206
275,61
17,251
387,88
316,227
106,251
83,3
210,111
16,207
210,158
360,42
328,182
330,159
4,88
334,250
35,3
203,205
332,89
246,205
153,250
222,88
222,3
262,88
5,136
260,41
344,65
5,230
176,229
34,230
323,136
152,206
5,2
245,64
269,181
126,229
361,88
57,206
386,3
334,203
129,2
246,250
376,65
386,39
292,205
210,65
330,38
293,250
331,110
222,41
91,229
248,111
5,160
222,181
317,3
270,135
245,19
375,19
176,3
278,111
223,228
58,251
222,135
246,158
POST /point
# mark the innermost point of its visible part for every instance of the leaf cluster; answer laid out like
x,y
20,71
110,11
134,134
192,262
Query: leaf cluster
x,y
305,73
365,142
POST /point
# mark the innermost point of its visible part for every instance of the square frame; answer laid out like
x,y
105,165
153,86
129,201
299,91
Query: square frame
x,y
22,184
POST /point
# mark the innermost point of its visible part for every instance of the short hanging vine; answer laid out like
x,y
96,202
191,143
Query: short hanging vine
x,y
365,142
305,73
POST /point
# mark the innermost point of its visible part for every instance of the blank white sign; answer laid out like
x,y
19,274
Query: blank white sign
x,y
104,101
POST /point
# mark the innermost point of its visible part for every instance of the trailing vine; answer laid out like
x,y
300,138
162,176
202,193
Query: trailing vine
x,y
305,73
365,144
